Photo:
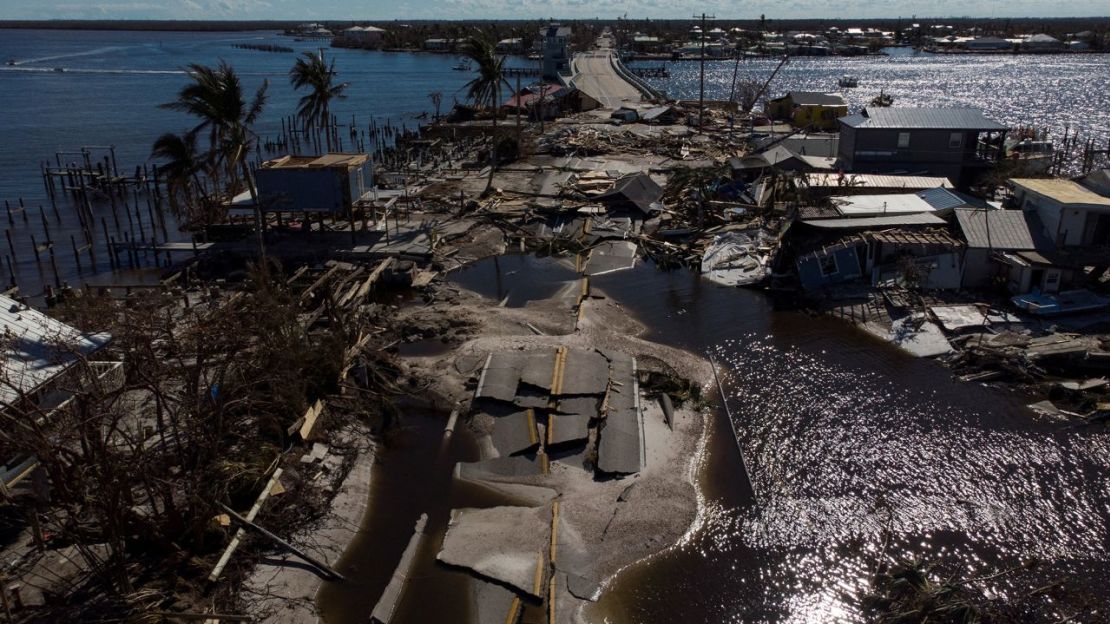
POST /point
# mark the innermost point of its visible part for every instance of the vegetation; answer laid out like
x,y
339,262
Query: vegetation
x,y
312,72
139,461
217,100
485,88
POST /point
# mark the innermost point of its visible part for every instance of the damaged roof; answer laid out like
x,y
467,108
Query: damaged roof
x,y
38,348
638,189
1011,230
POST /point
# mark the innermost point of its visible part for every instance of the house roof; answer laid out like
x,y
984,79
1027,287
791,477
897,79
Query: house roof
x,y
1063,191
529,95
879,205
899,236
807,144
845,223
867,180
637,188
947,199
37,348
317,162
922,118
815,98
1015,230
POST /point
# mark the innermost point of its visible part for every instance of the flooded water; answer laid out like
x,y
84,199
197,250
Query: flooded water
x,y
854,448
412,475
515,279
851,443
1044,91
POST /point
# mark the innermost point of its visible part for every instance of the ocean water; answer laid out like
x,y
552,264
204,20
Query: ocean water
x,y
1051,92
109,94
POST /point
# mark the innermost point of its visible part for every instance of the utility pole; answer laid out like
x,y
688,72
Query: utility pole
x,y
701,87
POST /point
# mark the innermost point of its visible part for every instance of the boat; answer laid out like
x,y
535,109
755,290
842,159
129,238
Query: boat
x,y
1034,156
462,66
59,69
1066,302
848,81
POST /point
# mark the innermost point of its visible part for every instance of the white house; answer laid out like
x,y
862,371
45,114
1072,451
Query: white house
x,y
1072,214
369,37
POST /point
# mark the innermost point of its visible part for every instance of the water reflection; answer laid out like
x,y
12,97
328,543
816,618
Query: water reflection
x,y
855,448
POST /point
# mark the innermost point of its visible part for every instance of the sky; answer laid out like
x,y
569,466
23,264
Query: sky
x,y
537,9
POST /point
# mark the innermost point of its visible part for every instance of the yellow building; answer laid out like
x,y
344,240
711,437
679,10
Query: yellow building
x,y
808,109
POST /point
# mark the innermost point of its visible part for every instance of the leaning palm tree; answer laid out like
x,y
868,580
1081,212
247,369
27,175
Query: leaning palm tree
x,y
313,72
184,171
216,98
485,88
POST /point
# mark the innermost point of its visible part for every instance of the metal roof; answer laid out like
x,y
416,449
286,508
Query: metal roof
x,y
1016,230
879,205
1063,191
868,180
923,118
38,348
918,218
942,199
815,98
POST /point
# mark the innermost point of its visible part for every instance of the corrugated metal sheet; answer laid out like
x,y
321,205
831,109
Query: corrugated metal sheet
x,y
815,98
923,118
38,348
869,180
1011,230
920,218
879,205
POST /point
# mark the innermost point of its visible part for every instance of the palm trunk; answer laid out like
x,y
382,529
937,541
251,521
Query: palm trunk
x,y
493,142
257,208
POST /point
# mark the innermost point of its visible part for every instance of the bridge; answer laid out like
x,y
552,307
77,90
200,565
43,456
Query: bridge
x,y
596,74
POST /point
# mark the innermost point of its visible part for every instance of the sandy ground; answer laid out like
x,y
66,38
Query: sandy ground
x,y
281,588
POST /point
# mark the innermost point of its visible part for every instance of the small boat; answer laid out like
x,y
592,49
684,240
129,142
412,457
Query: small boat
x,y
1034,156
1065,302
848,81
11,62
462,66
59,69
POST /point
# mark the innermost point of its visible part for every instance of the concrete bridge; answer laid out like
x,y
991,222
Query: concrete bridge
x,y
599,74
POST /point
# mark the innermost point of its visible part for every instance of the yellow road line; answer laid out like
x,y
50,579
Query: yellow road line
x,y
533,436
537,582
550,428
554,530
551,601
514,611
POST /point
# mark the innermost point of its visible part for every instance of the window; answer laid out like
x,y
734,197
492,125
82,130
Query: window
x,y
956,140
828,265
903,139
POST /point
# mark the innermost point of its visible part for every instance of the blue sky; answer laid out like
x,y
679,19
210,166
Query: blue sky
x,y
532,9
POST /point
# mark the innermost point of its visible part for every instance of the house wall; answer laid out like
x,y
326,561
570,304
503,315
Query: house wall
x,y
944,271
823,117
847,264
1064,225
307,190
979,268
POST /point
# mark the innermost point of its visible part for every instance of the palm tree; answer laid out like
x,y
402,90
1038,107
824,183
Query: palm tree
x,y
485,88
216,98
314,110
182,168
